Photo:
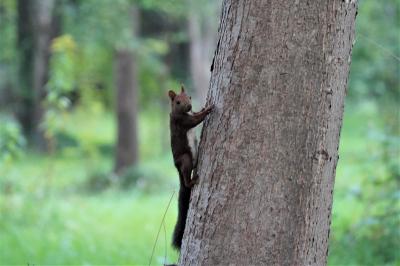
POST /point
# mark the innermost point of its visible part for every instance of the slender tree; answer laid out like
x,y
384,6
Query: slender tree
x,y
37,26
25,64
202,35
127,85
269,150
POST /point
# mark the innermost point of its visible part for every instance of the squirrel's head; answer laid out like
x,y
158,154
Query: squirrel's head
x,y
180,103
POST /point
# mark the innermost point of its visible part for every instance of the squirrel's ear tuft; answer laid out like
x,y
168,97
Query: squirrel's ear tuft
x,y
182,88
171,94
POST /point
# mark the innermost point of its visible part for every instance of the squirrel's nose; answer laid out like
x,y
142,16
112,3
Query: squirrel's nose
x,y
190,107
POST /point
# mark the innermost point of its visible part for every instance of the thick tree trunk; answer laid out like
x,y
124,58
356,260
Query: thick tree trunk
x,y
36,28
269,150
126,85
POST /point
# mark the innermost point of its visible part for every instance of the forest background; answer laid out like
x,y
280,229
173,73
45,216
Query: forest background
x,y
74,73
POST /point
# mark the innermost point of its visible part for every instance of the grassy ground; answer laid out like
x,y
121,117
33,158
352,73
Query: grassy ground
x,y
112,228
49,216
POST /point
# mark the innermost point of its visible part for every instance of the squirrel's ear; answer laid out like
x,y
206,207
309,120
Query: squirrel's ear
x,y
171,94
182,88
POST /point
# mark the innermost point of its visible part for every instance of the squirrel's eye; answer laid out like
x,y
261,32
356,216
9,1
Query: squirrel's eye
x,y
190,97
178,102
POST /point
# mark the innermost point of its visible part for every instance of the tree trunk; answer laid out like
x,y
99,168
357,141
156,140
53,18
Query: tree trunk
x,y
36,28
126,110
269,149
25,44
126,84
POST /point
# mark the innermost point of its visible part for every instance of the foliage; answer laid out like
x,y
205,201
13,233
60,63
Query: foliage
x,y
61,82
375,59
7,43
12,142
366,201
173,8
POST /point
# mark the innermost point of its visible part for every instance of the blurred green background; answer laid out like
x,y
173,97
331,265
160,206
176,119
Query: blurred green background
x,y
66,197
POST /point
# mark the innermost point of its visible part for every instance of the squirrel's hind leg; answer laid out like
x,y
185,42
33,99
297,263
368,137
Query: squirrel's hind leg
x,y
186,167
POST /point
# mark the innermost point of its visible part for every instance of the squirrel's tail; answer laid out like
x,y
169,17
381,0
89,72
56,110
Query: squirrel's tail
x,y
183,207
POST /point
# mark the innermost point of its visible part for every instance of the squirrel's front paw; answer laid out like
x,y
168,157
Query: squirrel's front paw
x,y
195,180
209,109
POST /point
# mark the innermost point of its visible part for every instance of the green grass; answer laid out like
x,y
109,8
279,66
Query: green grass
x,y
49,217
72,229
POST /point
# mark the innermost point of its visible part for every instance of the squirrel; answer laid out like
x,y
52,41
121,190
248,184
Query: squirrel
x,y
184,151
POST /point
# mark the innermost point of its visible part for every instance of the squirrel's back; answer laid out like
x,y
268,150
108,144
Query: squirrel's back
x,y
181,139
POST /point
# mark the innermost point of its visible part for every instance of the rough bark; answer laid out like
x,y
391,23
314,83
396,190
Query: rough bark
x,y
269,150
127,85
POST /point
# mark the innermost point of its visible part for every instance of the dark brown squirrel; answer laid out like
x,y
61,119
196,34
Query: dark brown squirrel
x,y
184,151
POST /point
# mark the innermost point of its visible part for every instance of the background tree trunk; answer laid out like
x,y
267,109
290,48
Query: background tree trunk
x,y
127,87
269,150
37,26
201,29
25,45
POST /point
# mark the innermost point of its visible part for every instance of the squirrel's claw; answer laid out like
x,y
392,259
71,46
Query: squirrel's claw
x,y
209,109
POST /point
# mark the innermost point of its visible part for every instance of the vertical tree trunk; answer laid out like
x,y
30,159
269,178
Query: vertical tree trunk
x,y
126,84
269,150
44,20
202,40
25,44
36,28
